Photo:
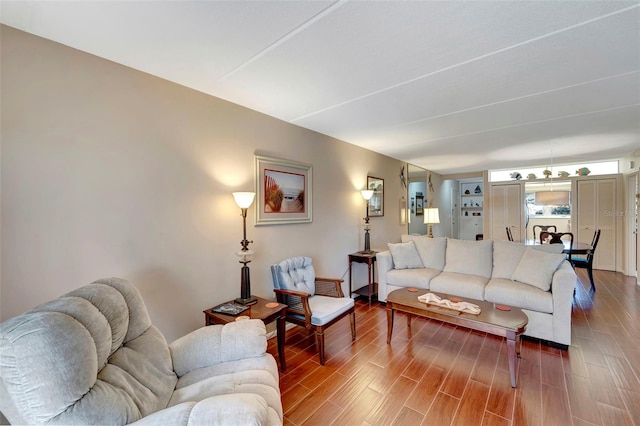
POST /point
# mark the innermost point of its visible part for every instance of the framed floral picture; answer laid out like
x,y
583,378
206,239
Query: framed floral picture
x,y
283,191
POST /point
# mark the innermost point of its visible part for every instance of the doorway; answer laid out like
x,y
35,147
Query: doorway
x,y
632,225
455,196
417,199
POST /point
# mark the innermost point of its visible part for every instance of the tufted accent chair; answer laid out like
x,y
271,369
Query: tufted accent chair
x,y
92,356
312,302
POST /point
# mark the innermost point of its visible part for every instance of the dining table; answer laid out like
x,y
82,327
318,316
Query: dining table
x,y
577,249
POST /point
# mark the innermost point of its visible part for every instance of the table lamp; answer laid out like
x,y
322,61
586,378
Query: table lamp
x,y
431,216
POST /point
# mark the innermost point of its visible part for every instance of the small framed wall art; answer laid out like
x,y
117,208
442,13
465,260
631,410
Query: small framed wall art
x,y
419,205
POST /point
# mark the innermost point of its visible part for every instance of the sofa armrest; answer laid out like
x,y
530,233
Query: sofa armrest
x,y
216,344
563,284
385,264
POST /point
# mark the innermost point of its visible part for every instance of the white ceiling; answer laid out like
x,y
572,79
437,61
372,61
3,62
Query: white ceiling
x,y
452,86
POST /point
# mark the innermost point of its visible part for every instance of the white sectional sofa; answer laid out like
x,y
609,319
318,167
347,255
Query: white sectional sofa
x,y
536,279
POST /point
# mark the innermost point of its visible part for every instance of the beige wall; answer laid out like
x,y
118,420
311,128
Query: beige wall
x,y
107,171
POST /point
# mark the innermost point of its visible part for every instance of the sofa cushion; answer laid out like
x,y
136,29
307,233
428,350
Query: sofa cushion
x,y
260,385
536,268
263,362
462,285
519,295
417,277
326,308
405,255
431,250
469,257
144,368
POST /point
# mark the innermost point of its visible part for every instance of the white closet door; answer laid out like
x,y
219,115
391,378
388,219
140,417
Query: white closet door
x,y
507,211
596,209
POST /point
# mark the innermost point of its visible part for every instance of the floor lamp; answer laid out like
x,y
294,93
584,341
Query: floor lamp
x,y
244,200
367,194
431,216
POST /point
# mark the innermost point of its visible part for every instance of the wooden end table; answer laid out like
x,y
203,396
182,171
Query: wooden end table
x,y
258,310
509,324
370,290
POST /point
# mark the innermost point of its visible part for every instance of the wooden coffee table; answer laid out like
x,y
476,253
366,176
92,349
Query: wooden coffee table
x,y
509,324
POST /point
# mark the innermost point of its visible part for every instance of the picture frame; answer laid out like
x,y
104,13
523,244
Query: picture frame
x,y
283,191
376,203
419,205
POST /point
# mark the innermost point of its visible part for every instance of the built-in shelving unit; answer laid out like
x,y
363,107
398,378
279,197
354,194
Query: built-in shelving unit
x,y
471,209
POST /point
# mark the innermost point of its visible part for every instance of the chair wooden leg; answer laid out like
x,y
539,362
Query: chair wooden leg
x,y
352,320
590,273
320,343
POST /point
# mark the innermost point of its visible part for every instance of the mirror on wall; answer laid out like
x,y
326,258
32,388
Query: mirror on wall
x,y
416,199
376,203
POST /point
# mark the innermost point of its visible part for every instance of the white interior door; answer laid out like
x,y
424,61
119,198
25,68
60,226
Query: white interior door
x,y
507,211
597,209
631,267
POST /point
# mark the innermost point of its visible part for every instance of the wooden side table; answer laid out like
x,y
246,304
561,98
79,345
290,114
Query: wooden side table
x,y
258,310
371,289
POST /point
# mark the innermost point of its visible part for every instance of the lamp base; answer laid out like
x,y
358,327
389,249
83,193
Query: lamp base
x,y
245,286
248,301
367,242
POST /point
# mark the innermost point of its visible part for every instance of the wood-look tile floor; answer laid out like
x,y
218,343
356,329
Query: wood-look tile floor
x,y
436,374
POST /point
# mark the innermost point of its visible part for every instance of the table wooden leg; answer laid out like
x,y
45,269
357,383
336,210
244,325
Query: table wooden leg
x,y
350,288
513,354
281,330
389,322
369,284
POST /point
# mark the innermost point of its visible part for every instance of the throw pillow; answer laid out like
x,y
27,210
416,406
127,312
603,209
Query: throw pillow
x,y
405,255
431,250
536,268
470,257
549,248
506,256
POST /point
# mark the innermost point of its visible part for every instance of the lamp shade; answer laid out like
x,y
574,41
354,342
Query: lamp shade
x,y
244,199
367,194
552,198
431,215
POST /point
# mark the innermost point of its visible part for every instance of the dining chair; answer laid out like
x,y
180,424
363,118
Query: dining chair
x,y
312,302
509,234
558,238
587,261
543,228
